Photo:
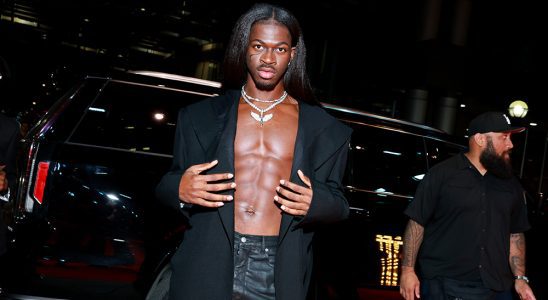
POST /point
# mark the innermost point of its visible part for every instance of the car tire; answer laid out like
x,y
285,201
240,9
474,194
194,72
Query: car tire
x,y
160,287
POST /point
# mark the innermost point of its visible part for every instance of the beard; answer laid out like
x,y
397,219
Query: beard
x,y
498,165
265,86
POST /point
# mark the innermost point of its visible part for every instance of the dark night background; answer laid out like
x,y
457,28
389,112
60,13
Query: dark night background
x,y
375,55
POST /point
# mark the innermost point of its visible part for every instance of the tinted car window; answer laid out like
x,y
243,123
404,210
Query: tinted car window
x,y
385,161
133,117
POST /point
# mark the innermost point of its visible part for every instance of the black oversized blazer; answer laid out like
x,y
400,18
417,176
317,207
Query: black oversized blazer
x,y
203,264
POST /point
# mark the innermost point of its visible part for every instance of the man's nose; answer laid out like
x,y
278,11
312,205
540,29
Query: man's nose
x,y
268,57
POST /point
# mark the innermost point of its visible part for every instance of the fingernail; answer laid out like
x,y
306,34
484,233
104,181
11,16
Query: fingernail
x,y
300,172
277,188
220,204
215,161
230,176
282,207
233,185
282,181
276,198
229,198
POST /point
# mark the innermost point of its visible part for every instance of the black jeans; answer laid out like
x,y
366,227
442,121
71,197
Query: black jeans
x,y
254,258
449,289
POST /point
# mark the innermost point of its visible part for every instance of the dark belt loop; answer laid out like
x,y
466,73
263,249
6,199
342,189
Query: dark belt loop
x,y
237,243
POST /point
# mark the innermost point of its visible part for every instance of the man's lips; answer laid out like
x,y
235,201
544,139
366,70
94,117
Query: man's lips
x,y
266,73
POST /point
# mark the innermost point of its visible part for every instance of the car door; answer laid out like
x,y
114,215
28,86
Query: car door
x,y
385,166
99,225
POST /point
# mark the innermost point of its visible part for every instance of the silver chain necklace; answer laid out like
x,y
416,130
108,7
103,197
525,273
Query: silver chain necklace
x,y
262,118
257,99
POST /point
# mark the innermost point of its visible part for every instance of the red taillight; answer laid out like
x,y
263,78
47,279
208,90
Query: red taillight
x,y
40,182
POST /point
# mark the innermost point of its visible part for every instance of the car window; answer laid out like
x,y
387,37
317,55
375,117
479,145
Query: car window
x,y
385,161
134,118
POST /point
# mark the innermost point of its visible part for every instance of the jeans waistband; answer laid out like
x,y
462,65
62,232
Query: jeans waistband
x,y
269,241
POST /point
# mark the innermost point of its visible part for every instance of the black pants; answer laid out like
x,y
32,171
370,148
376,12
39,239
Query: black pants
x,y
450,289
254,258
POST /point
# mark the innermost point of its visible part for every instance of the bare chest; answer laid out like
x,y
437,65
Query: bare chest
x,y
273,139
263,156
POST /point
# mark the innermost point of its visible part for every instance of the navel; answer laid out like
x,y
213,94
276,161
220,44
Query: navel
x,y
250,210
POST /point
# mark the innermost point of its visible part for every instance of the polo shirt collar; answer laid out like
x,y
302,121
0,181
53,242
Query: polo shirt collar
x,y
463,162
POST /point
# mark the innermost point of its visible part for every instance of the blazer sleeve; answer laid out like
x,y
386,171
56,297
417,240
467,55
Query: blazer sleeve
x,y
167,190
328,201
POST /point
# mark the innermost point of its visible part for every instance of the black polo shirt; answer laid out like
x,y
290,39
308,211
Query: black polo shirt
x,y
467,221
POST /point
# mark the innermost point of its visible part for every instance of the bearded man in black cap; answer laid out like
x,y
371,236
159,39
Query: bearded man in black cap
x,y
465,235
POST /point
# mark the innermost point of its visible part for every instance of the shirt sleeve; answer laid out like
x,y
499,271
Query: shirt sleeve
x,y
329,203
519,221
422,207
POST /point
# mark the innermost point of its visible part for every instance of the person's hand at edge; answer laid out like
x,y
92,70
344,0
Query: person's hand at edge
x,y
409,284
524,291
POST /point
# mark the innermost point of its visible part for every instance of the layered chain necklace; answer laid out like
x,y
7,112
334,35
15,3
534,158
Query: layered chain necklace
x,y
262,118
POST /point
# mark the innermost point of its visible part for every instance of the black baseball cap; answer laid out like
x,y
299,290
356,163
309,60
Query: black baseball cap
x,y
492,121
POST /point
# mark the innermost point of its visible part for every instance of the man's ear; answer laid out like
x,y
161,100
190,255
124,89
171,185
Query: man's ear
x,y
479,139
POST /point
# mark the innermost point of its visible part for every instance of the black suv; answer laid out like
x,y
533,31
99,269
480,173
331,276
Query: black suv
x,y
85,223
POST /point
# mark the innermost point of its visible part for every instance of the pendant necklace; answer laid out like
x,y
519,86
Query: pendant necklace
x,y
262,118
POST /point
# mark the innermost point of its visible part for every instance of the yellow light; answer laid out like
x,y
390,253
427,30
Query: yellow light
x,y
518,109
390,264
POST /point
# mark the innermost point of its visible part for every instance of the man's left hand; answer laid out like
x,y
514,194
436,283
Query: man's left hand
x,y
524,290
295,199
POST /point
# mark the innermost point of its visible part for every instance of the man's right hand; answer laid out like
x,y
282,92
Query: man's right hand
x,y
198,189
3,179
409,284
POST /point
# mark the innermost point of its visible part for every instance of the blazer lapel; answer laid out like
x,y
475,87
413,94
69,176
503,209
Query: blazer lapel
x,y
224,152
297,164
209,122
215,128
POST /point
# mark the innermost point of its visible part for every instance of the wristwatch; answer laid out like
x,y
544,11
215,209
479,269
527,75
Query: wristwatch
x,y
521,277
